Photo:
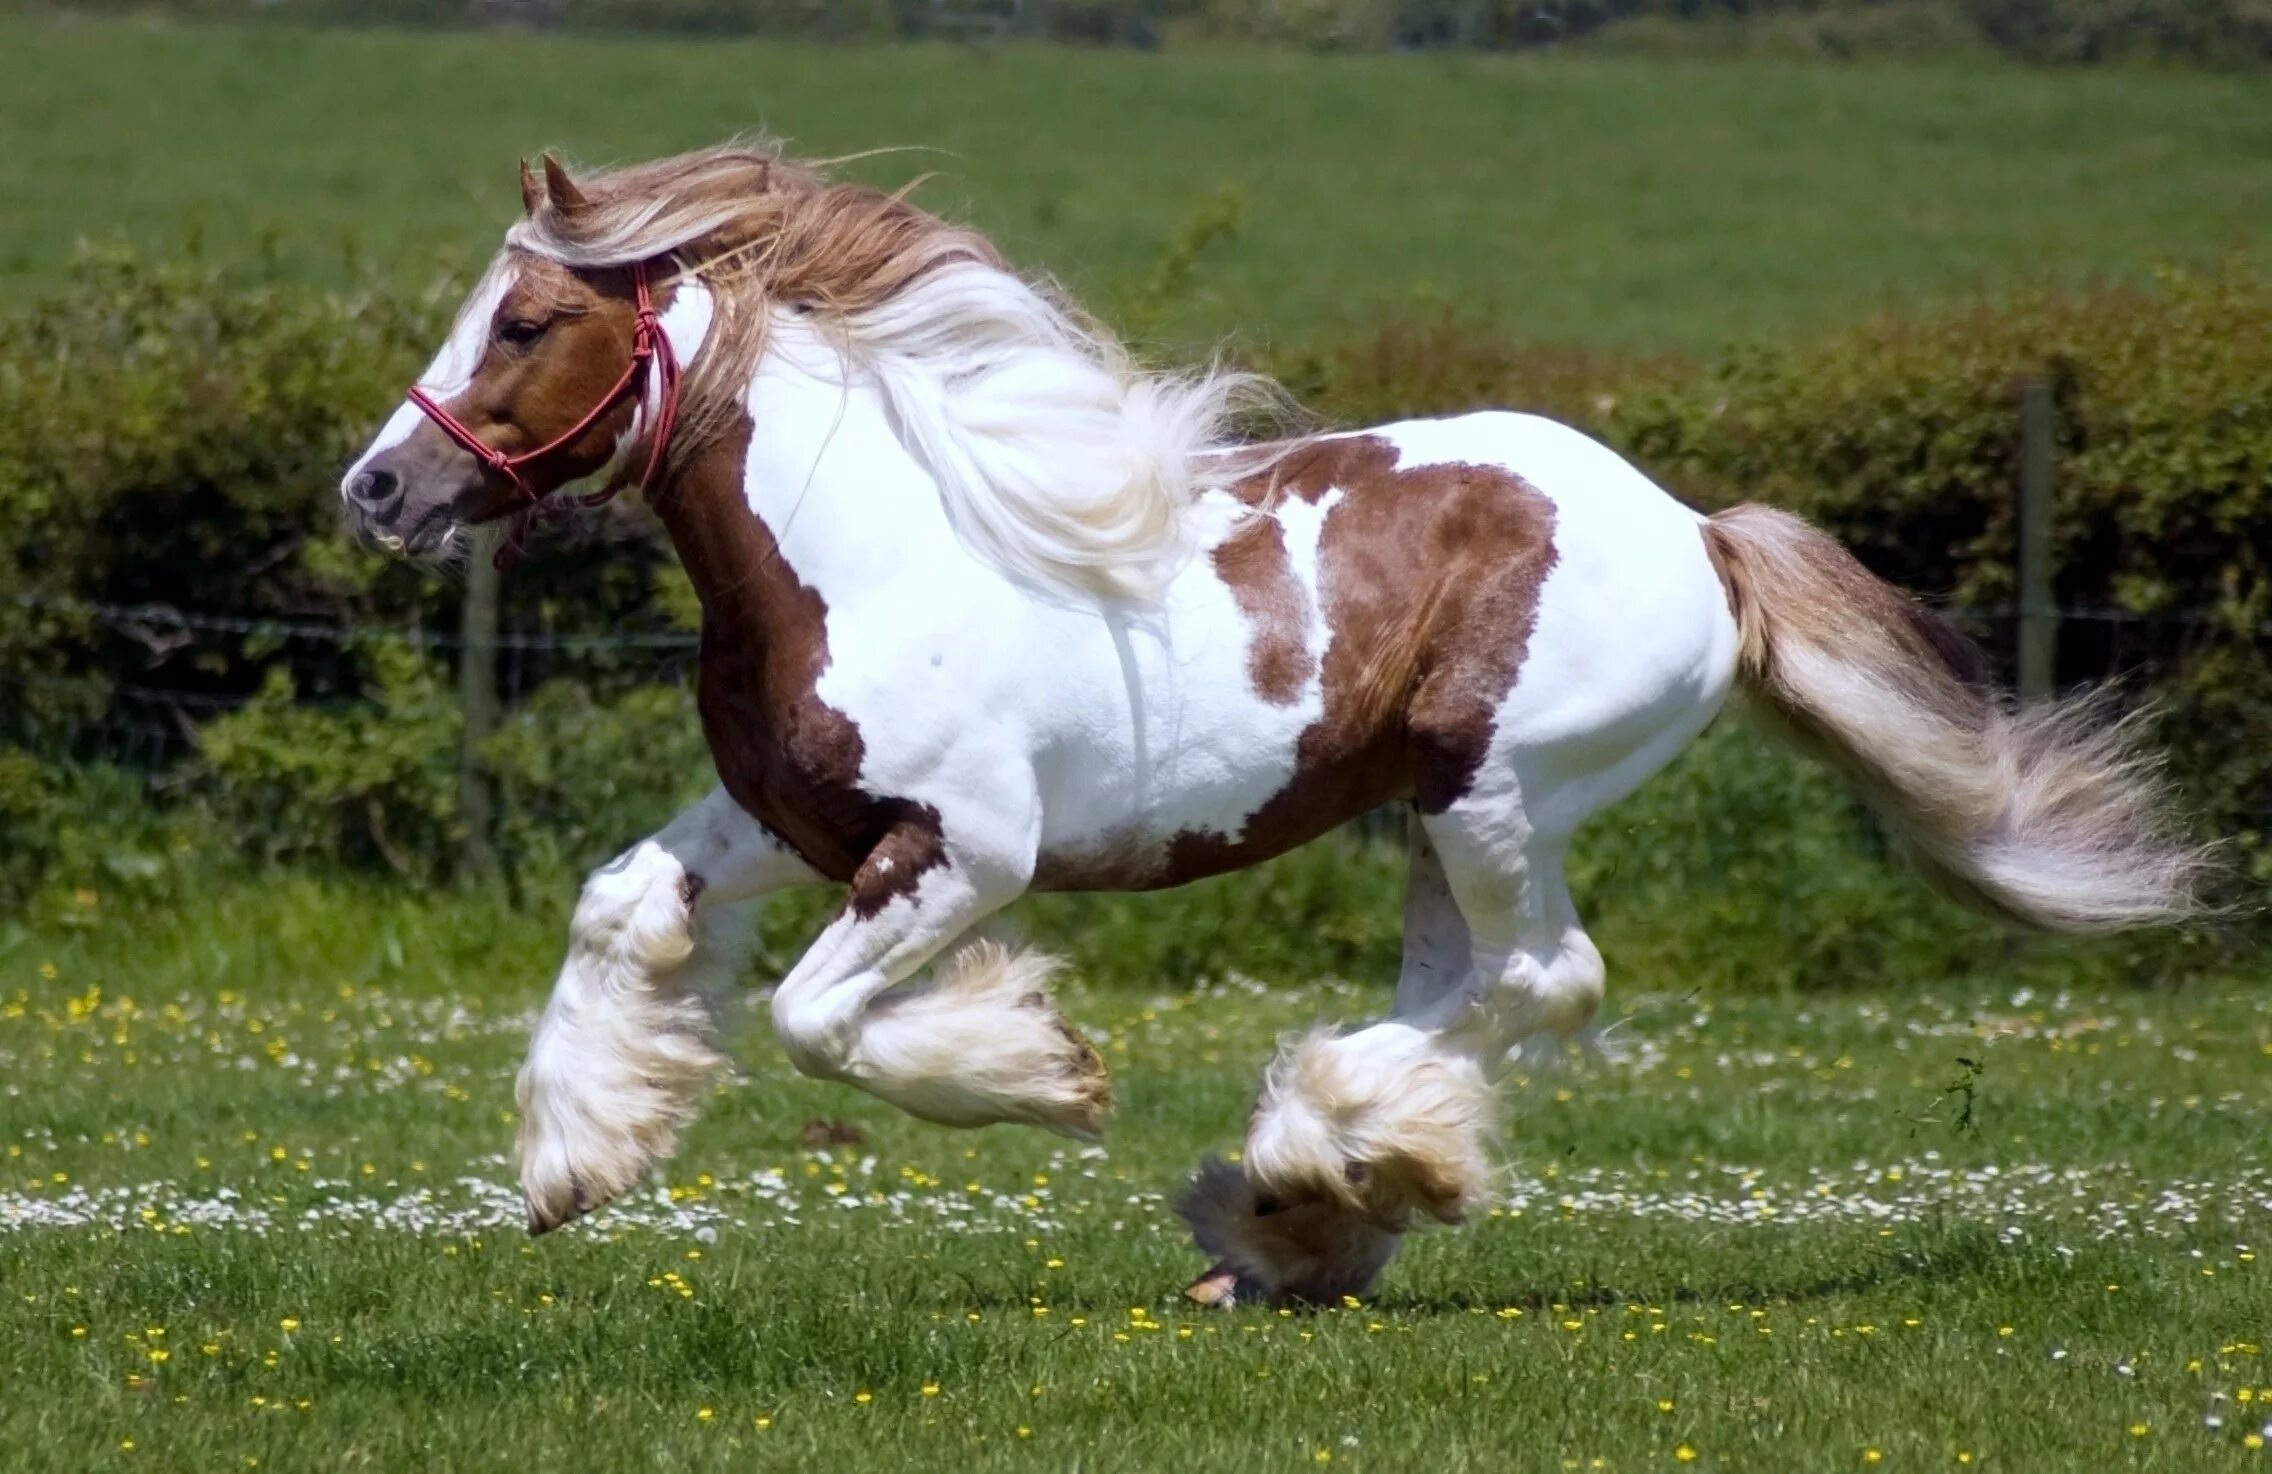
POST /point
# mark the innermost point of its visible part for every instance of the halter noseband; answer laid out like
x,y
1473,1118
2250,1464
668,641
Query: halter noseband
x,y
649,349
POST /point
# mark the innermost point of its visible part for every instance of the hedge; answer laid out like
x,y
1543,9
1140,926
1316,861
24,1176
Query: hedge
x,y
2213,32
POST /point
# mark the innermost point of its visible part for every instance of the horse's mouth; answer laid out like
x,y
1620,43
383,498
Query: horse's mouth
x,y
427,536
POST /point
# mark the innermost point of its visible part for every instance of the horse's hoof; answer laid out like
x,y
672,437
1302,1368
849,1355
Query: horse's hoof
x,y
1217,1288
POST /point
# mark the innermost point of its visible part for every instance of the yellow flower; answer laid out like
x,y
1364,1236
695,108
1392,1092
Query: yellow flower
x,y
126,1445
1964,1455
1872,1456
2003,1330
762,1421
1024,1431
863,1397
704,1414
290,1323
930,1389
1664,1404
1685,1454
2140,1430
1323,1456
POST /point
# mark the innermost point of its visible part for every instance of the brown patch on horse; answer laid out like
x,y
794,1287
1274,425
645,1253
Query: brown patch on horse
x,y
1253,562
787,757
1428,581
895,867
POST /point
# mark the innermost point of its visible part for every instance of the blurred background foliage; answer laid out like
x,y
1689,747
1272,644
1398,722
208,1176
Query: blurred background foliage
x,y
2063,32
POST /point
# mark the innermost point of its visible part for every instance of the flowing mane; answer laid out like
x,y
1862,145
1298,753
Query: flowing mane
x,y
1060,460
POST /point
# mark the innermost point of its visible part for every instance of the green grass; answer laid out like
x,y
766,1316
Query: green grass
x,y
265,1133
1626,201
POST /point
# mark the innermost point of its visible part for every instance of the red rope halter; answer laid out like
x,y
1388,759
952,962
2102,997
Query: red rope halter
x,y
650,349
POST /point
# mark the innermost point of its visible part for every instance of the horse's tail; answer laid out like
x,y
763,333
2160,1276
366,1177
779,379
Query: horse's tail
x,y
2047,815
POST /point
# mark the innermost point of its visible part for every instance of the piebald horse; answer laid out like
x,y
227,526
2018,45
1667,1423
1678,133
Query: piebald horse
x,y
988,608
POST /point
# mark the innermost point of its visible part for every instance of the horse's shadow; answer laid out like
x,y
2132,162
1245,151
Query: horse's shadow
x,y
1949,1260
1953,1258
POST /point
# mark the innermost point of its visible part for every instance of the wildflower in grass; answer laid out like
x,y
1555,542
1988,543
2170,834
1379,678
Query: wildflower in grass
x,y
2140,1430
704,1414
1685,1454
762,1421
930,1389
863,1397
1024,1431
1872,1456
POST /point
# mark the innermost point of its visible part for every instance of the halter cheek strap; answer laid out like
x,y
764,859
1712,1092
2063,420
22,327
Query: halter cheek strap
x,y
650,351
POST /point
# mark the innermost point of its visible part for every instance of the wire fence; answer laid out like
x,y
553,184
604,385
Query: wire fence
x,y
151,727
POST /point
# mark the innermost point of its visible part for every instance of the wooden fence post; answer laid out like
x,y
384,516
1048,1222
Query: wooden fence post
x,y
477,702
2038,603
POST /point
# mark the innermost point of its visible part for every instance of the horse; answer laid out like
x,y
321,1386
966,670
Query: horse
x,y
987,607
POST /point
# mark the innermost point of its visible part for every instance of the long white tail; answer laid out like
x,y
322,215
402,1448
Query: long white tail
x,y
2047,815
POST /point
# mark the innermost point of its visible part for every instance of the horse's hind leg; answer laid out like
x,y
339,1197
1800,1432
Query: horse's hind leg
x,y
1312,1246
1386,1126
627,1040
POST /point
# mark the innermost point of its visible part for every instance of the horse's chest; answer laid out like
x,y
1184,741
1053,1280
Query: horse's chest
x,y
790,760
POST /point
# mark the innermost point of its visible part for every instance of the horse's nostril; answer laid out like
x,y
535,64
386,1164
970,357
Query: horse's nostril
x,y
374,486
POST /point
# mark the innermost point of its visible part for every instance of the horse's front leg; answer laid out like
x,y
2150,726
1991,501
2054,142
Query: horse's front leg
x,y
976,1042
629,1039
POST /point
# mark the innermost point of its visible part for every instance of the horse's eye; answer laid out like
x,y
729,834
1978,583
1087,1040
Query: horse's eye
x,y
516,333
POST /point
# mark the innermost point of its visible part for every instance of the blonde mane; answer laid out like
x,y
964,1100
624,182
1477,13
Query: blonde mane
x,y
1059,459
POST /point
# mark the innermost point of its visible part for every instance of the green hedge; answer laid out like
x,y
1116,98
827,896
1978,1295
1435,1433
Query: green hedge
x,y
2212,32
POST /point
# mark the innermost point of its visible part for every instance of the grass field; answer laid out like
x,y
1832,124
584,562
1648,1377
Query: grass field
x,y
255,1213
1663,204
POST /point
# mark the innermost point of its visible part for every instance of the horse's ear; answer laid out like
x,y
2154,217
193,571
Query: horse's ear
x,y
532,189
566,197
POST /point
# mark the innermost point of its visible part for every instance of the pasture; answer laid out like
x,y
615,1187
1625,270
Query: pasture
x,y
1858,1185
256,1212
1657,204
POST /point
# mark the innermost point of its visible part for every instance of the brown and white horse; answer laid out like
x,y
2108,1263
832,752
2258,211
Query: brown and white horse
x,y
988,609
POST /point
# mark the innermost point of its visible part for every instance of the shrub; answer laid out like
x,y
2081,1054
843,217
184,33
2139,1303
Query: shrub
x,y
361,781
580,776
2219,32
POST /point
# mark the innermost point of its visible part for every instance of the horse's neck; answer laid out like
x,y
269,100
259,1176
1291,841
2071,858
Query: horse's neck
x,y
814,487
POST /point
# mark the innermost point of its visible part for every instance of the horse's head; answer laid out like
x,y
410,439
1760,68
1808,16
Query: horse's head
x,y
540,385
